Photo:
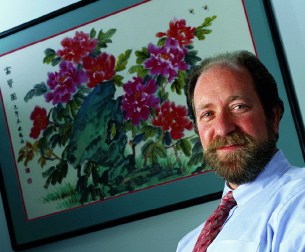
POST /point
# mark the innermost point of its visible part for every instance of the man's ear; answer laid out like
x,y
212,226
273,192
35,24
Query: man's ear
x,y
277,115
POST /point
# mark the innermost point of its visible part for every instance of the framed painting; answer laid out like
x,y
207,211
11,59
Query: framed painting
x,y
95,130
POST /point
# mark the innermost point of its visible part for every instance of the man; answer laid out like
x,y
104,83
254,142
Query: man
x,y
237,111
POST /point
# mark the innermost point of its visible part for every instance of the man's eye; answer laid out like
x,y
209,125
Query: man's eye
x,y
206,115
240,107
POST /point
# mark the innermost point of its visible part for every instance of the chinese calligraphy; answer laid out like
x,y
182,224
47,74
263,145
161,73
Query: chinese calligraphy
x,y
14,98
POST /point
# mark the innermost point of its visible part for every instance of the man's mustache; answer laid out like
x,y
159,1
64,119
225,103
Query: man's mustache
x,y
235,138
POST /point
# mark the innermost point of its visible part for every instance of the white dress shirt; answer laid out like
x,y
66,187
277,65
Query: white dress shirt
x,y
269,216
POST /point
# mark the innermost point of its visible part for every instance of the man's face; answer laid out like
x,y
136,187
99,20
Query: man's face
x,y
232,124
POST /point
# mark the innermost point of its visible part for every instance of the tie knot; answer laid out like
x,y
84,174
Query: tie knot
x,y
228,200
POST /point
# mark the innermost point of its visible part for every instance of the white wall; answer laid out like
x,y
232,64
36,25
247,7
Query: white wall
x,y
291,25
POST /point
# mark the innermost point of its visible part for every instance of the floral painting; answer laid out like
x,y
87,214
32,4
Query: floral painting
x,y
119,135
104,121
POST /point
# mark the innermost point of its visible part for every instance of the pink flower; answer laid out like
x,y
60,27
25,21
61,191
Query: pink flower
x,y
63,84
166,60
138,99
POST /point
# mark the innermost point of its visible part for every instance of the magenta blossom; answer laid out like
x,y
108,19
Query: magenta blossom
x,y
63,84
138,98
166,60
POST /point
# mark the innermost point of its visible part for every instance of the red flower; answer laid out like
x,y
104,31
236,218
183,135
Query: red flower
x,y
99,69
76,48
179,31
39,116
173,118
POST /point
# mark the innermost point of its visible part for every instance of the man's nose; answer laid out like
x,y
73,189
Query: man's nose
x,y
224,124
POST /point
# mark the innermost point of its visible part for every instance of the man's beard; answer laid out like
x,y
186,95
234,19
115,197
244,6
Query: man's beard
x,y
243,165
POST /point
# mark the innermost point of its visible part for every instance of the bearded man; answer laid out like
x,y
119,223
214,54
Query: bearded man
x,y
237,111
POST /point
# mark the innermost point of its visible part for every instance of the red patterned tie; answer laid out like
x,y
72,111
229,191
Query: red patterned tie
x,y
214,223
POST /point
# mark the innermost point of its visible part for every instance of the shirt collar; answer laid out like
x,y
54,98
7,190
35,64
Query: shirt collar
x,y
275,169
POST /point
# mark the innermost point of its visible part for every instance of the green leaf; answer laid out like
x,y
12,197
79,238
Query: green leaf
x,y
73,107
153,151
196,159
149,131
55,140
88,169
84,89
178,85
104,38
49,51
42,161
82,183
161,41
81,95
95,176
43,145
48,172
142,55
38,90
200,31
163,95
113,131
110,33
159,151
147,147
27,152
96,51
191,58
122,61
153,112
55,61
92,33
128,126
48,131
118,80
99,46
58,113
185,146
56,174
64,132
189,47
139,69
208,21
49,56
197,147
